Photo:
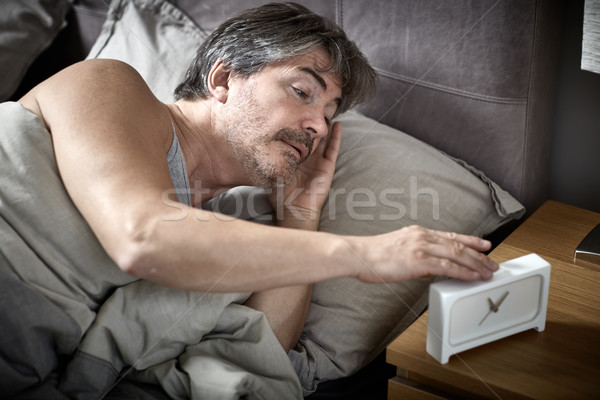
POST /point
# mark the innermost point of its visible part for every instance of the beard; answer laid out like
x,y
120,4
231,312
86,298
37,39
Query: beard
x,y
255,146
267,165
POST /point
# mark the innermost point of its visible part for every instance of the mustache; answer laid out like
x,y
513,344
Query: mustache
x,y
296,136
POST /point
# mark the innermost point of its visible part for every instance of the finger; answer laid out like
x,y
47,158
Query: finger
x,y
335,139
464,251
473,242
320,146
469,258
451,269
469,245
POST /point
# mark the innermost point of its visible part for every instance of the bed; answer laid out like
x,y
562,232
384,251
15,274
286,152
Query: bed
x,y
458,138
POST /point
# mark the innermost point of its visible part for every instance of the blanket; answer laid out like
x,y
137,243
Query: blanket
x,y
75,326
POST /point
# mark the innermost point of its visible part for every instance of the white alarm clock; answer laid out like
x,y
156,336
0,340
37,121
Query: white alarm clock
x,y
463,315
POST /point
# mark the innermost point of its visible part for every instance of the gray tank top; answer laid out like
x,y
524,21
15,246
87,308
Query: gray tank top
x,y
178,172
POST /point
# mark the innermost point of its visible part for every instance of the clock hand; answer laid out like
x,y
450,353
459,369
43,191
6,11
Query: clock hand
x,y
500,301
494,306
486,315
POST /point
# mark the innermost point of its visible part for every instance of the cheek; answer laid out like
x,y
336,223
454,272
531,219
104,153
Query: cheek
x,y
286,114
282,106
265,115
316,144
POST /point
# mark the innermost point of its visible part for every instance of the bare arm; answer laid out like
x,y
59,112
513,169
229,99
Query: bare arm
x,y
111,136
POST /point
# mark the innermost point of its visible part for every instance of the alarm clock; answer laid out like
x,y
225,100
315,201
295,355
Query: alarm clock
x,y
463,315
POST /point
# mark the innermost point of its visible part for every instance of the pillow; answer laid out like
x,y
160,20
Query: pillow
x,y
154,37
385,180
28,28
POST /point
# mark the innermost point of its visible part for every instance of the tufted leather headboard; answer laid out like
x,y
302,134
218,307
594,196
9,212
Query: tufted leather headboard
x,y
474,78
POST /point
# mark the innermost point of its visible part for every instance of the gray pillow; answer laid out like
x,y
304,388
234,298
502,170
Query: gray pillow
x,y
28,28
385,180
153,36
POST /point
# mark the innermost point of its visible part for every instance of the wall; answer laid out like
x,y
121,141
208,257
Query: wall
x,y
575,164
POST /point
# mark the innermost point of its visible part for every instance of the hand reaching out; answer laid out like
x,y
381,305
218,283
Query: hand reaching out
x,y
415,252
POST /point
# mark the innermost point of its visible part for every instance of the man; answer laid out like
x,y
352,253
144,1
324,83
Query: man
x,y
256,108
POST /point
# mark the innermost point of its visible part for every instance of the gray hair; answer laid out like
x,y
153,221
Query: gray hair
x,y
273,33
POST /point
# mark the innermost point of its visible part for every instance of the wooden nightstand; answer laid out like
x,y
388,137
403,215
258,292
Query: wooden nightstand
x,y
562,362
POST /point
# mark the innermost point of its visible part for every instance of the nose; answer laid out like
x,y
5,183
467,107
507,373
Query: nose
x,y
315,123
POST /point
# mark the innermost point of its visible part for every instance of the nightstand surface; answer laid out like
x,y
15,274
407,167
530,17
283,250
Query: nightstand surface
x,y
562,362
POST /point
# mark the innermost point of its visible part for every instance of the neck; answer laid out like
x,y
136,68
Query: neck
x,y
210,162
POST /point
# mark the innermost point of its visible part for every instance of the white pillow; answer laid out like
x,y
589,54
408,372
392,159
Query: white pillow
x,y
385,180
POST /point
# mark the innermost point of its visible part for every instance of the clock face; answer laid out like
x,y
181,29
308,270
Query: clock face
x,y
493,310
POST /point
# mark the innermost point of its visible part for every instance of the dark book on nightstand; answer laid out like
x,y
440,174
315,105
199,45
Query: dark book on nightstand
x,y
589,248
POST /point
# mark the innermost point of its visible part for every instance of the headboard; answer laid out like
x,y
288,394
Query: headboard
x,y
474,78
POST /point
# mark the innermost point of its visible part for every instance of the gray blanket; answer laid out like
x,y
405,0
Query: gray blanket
x,y
73,325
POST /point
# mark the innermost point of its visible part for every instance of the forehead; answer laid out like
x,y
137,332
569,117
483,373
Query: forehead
x,y
317,61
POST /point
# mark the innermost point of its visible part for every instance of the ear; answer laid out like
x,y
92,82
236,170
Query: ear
x,y
218,81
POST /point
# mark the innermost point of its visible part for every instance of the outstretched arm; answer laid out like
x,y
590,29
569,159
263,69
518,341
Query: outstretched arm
x,y
110,137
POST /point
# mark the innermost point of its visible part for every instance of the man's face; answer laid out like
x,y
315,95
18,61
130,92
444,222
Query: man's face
x,y
275,118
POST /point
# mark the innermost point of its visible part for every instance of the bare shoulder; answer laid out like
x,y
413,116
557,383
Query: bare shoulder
x,y
85,86
85,74
105,102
